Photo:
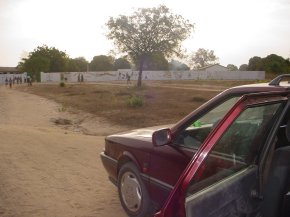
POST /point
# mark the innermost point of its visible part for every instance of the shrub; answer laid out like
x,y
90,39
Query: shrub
x,y
135,101
62,84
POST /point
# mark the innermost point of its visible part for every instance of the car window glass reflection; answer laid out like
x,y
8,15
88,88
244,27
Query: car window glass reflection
x,y
237,148
195,134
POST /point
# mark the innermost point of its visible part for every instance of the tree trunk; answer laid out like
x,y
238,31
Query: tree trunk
x,y
139,83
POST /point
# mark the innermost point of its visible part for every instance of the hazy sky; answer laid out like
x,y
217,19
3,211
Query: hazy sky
x,y
235,29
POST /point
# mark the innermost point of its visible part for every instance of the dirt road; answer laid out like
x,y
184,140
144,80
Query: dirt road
x,y
47,170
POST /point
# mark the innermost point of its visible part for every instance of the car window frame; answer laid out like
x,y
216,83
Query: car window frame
x,y
226,156
199,116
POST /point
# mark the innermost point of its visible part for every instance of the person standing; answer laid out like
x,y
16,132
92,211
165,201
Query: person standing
x,y
10,82
128,78
79,78
6,82
82,78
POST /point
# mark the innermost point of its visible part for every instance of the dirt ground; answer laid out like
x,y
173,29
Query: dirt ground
x,y
50,170
111,101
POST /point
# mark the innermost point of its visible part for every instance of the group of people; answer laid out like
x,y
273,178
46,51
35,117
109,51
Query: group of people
x,y
126,76
80,78
17,80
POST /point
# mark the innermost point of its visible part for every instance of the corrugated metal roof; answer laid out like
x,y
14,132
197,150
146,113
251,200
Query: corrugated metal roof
x,y
206,67
9,69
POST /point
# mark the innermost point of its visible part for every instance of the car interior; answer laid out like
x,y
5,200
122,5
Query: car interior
x,y
276,194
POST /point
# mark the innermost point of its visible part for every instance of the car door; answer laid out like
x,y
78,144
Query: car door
x,y
221,177
168,162
228,176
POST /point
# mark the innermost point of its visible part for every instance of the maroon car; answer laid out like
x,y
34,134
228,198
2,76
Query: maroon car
x,y
214,162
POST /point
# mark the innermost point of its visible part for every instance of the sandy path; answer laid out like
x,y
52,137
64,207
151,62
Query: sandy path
x,y
46,170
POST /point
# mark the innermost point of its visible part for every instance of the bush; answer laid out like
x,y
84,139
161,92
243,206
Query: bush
x,y
135,101
62,84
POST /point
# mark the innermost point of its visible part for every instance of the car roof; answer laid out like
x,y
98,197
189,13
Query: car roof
x,y
260,87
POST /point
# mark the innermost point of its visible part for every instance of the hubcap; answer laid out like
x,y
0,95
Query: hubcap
x,y
131,191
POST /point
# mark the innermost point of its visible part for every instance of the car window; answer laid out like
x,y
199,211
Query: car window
x,y
195,134
237,148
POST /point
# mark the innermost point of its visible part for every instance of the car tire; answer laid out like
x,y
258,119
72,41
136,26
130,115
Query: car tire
x,y
133,194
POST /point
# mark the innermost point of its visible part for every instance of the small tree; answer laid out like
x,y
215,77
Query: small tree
x,y
102,63
147,32
122,63
243,67
178,66
256,64
155,61
232,67
79,64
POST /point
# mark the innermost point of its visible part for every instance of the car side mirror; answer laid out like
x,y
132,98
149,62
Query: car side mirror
x,y
161,137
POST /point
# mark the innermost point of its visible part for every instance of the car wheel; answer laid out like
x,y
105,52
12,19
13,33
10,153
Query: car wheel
x,y
132,191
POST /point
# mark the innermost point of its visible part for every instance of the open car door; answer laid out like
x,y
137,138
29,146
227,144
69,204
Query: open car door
x,y
222,178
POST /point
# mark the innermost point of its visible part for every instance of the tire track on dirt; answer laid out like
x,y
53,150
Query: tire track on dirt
x,y
46,170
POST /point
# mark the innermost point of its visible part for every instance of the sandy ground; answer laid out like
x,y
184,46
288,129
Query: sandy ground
x,y
49,170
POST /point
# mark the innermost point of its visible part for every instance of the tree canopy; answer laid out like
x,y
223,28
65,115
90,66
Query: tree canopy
x,y
79,64
271,64
276,64
175,65
147,32
155,61
243,67
44,59
255,64
232,67
102,63
122,63
202,58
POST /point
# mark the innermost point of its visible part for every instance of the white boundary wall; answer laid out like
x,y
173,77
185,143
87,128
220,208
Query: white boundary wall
x,y
152,75
12,76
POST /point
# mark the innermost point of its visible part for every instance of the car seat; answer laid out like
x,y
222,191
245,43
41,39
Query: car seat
x,y
276,196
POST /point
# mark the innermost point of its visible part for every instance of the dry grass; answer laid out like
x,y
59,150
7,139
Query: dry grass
x,y
163,102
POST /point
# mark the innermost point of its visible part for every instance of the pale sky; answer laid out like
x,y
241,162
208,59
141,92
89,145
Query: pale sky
x,y
235,29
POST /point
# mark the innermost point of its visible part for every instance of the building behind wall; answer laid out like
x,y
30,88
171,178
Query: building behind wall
x,y
7,72
214,68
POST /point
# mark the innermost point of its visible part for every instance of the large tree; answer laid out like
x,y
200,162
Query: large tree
x,y
271,64
202,57
275,64
44,59
147,32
